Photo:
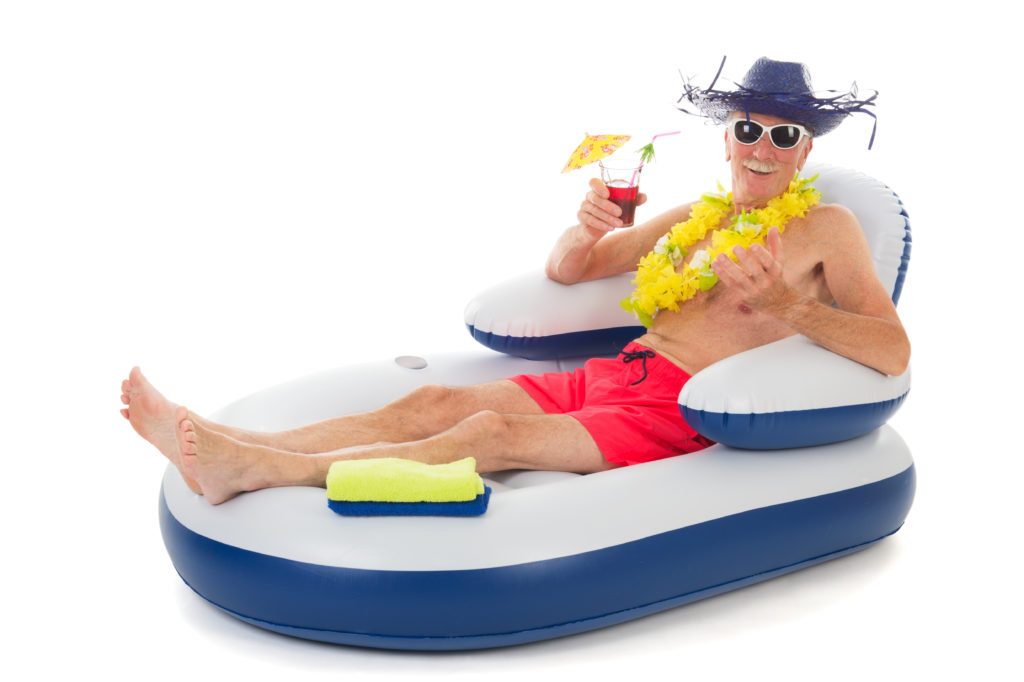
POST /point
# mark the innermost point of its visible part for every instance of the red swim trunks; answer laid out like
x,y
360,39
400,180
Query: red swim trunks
x,y
632,419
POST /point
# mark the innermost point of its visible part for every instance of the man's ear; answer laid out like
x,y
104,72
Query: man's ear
x,y
728,152
807,150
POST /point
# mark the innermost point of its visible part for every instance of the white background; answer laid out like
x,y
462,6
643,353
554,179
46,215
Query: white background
x,y
232,194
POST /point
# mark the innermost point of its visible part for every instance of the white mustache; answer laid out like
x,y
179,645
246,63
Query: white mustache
x,y
761,166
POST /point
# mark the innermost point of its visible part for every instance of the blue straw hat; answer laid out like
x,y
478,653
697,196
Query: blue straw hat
x,y
780,89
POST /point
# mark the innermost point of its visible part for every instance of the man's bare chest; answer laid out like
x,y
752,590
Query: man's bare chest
x,y
800,258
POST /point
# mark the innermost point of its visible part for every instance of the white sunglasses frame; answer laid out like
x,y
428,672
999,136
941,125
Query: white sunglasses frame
x,y
767,130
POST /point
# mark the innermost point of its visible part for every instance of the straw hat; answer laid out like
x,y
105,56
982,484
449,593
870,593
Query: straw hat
x,y
780,89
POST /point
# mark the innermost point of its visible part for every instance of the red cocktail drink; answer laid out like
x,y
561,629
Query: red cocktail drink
x,y
625,198
622,178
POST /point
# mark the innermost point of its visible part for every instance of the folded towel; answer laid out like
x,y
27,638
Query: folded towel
x,y
403,480
474,507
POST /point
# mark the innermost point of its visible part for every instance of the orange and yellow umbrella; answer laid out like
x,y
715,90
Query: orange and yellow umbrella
x,y
594,148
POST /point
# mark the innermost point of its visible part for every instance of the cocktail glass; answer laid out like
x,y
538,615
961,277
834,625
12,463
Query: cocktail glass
x,y
622,177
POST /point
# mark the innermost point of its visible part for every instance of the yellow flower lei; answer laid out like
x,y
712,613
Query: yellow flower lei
x,y
660,286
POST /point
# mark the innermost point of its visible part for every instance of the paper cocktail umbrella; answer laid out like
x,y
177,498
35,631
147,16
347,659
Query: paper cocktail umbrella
x,y
594,148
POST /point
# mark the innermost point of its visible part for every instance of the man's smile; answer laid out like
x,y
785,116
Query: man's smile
x,y
760,167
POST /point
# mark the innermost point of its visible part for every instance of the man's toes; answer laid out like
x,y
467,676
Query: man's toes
x,y
188,436
190,472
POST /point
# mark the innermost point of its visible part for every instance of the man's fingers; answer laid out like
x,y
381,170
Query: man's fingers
x,y
728,271
751,264
774,241
756,274
592,216
602,210
590,221
763,258
603,205
596,211
758,260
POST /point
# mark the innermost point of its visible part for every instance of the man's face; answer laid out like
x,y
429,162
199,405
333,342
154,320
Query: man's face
x,y
762,171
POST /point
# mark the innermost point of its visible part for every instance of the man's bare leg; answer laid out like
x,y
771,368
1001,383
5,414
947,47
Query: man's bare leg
x,y
225,467
426,411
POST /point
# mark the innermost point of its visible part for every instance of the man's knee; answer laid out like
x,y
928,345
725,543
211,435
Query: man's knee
x,y
482,426
434,408
430,395
483,435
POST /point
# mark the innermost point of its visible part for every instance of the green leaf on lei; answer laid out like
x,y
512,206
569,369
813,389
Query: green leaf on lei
x,y
747,224
716,200
707,278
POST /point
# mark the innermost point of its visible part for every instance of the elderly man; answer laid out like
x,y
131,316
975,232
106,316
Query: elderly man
x,y
707,288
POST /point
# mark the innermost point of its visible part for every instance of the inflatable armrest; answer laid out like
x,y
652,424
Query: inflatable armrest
x,y
533,317
791,393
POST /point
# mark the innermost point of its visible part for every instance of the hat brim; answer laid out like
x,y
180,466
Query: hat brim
x,y
819,114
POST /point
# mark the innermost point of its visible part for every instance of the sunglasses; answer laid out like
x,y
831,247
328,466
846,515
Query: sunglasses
x,y
783,136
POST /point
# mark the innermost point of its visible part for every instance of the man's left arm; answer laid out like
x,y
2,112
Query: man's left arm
x,y
865,327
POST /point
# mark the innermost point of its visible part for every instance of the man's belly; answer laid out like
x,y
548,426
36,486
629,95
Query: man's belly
x,y
702,333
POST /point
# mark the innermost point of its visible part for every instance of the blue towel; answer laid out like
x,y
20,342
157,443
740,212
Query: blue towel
x,y
470,508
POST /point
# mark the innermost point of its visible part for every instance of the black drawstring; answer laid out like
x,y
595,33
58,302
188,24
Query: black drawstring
x,y
640,355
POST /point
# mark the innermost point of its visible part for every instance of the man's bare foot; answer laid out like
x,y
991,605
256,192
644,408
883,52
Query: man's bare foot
x,y
155,418
225,467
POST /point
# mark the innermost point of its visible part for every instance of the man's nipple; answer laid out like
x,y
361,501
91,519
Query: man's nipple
x,y
745,310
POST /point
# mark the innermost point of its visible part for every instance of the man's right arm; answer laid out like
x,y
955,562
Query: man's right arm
x,y
595,248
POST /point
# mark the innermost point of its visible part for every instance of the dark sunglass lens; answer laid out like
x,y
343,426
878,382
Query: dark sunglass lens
x,y
785,137
747,132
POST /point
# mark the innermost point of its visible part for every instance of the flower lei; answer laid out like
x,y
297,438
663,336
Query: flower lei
x,y
660,286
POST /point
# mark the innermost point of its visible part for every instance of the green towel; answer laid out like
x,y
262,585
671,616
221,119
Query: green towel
x,y
403,480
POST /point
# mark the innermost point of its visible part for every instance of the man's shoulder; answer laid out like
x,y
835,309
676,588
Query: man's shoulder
x,y
835,215
834,221
833,233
